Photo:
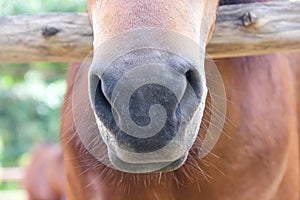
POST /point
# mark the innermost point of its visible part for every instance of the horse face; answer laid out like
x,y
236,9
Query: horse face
x,y
147,82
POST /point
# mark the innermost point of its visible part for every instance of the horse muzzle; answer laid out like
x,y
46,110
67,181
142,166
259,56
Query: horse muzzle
x,y
148,91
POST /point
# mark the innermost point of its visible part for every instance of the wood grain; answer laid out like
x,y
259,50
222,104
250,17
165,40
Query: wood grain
x,y
277,28
243,29
55,37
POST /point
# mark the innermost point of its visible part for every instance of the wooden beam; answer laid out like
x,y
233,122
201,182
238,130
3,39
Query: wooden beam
x,y
13,195
244,29
11,174
54,37
256,28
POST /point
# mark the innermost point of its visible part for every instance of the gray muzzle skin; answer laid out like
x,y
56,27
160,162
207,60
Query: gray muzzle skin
x,y
147,89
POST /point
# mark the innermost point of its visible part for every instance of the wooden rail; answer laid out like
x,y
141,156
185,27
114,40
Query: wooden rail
x,y
11,174
13,195
248,29
257,28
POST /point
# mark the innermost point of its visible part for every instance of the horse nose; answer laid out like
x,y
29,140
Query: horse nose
x,y
138,99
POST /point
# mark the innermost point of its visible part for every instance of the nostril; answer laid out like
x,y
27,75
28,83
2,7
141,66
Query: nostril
x,y
101,104
194,79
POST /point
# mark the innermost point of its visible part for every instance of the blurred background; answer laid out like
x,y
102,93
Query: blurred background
x,y
30,97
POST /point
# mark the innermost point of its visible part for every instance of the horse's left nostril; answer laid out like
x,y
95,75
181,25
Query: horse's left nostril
x,y
194,80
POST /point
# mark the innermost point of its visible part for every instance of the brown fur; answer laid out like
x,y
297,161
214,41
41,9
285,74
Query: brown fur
x,y
255,158
44,178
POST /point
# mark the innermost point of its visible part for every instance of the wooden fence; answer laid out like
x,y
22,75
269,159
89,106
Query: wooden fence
x,y
14,174
11,174
245,29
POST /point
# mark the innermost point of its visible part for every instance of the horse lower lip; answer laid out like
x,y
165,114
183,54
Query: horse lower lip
x,y
146,167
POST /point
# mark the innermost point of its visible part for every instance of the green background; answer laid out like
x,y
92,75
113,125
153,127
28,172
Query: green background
x,y
30,94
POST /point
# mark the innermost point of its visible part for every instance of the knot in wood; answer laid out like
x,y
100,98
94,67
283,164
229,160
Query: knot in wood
x,y
249,18
49,31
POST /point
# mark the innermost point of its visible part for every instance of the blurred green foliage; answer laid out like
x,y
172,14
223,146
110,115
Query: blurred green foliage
x,y
29,107
13,7
30,94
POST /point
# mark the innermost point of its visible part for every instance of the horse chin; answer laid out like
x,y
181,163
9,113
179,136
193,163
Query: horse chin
x,y
151,167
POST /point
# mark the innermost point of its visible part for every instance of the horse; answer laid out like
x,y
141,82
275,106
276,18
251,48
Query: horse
x,y
44,177
148,63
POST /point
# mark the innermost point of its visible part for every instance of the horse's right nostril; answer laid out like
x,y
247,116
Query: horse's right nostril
x,y
102,106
